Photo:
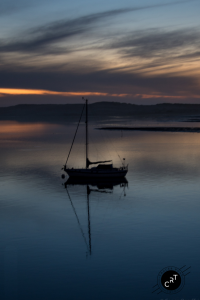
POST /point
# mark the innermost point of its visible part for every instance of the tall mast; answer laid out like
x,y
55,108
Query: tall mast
x,y
86,130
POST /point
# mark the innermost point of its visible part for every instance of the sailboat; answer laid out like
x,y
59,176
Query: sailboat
x,y
102,170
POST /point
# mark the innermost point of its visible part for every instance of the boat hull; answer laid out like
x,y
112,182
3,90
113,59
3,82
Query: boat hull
x,y
88,173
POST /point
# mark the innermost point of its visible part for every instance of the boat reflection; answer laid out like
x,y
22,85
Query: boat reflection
x,y
100,183
102,186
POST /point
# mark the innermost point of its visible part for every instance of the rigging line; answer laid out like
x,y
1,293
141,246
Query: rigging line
x,y
105,143
92,112
75,135
121,194
109,140
92,141
78,220
114,147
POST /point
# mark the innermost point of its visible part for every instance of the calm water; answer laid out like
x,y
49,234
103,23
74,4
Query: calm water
x,y
134,232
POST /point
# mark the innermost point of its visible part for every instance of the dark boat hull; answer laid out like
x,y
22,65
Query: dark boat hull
x,y
88,173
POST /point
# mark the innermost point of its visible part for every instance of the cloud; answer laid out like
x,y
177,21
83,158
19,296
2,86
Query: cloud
x,y
154,43
9,6
6,91
104,82
133,55
39,38
156,51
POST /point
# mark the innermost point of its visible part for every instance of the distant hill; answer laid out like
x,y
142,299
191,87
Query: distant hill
x,y
97,111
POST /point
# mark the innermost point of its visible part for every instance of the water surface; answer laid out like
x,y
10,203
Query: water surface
x,y
135,232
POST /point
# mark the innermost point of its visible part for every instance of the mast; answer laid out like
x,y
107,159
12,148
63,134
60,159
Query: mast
x,y
86,131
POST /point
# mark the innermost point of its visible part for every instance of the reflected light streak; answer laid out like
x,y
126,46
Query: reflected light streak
x,y
29,129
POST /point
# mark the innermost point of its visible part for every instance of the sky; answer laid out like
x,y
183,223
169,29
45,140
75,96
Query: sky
x,y
141,52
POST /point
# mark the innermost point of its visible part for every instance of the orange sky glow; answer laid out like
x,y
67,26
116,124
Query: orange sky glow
x,y
6,91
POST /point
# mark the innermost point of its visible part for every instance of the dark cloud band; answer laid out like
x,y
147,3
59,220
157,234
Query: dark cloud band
x,y
38,39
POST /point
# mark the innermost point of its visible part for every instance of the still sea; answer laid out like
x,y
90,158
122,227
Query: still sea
x,y
101,242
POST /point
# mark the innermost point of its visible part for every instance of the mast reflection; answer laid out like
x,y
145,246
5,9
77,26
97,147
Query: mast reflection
x,y
101,186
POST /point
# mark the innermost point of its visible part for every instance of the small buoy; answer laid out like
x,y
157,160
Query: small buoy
x,y
63,176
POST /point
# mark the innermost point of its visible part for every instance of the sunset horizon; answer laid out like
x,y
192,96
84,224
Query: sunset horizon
x,y
99,149
144,54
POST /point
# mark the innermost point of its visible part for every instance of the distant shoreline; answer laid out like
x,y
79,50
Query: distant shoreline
x,y
161,129
101,111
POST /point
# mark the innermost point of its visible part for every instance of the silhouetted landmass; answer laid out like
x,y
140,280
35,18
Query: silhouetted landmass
x,y
100,111
162,129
